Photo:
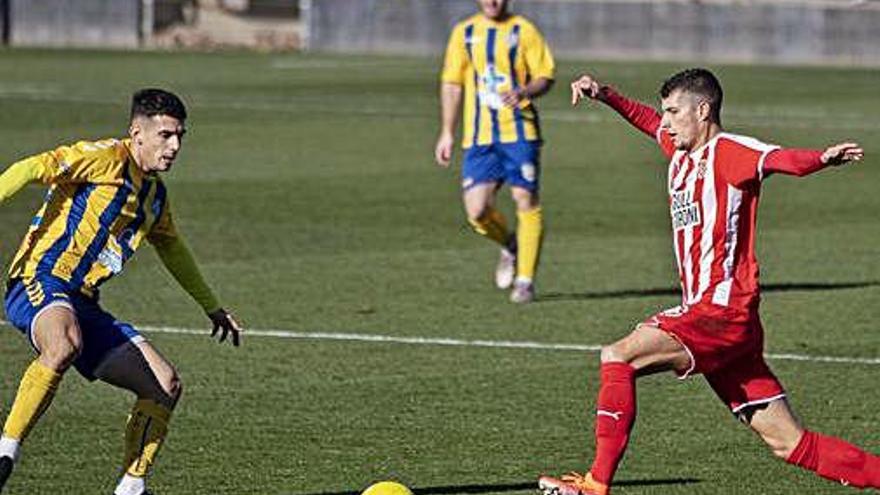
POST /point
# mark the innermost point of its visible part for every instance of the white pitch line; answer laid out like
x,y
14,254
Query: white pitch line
x,y
364,337
450,342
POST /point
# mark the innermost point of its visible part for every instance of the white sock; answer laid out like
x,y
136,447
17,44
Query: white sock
x,y
523,280
9,447
131,485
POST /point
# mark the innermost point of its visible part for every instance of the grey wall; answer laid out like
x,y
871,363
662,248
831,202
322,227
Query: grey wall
x,y
780,32
80,23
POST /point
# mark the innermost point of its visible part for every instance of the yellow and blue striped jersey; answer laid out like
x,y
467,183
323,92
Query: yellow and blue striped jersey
x,y
98,209
489,58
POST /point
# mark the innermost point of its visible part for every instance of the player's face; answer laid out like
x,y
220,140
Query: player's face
x,y
156,141
681,118
493,9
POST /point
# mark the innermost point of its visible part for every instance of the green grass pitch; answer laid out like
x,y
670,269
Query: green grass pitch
x,y
307,189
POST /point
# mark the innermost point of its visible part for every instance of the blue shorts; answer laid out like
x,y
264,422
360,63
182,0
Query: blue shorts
x,y
101,332
517,164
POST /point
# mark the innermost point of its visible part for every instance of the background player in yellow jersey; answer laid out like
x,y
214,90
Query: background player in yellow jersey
x,y
104,198
496,64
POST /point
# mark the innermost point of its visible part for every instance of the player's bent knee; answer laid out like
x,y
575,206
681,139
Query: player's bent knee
x,y
60,352
525,200
478,216
173,387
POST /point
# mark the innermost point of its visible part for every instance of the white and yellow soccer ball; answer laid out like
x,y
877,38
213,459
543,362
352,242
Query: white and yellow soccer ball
x,y
387,488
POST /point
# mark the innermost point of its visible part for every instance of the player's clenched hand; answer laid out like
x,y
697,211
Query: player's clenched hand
x,y
584,87
842,153
225,321
443,150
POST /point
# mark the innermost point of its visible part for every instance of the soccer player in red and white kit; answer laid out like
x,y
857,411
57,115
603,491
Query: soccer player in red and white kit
x,y
714,183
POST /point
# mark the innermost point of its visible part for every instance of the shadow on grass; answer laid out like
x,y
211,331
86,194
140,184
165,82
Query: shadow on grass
x,y
631,293
514,487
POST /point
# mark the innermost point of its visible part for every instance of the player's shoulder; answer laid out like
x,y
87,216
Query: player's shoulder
x,y
463,24
101,150
524,22
731,143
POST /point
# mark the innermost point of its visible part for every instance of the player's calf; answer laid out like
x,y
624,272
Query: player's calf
x,y
836,460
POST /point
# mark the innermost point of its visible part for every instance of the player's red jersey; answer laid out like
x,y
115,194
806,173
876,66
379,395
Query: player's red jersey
x,y
713,201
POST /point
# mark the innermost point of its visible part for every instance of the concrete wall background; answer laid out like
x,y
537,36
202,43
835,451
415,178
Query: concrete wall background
x,y
747,31
80,23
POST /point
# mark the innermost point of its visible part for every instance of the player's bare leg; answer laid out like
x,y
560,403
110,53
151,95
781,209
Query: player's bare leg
x,y
828,457
529,234
486,220
141,369
645,351
57,335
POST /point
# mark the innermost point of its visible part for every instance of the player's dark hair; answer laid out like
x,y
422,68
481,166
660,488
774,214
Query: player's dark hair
x,y
150,102
700,82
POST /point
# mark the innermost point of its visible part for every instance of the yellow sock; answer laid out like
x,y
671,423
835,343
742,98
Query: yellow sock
x,y
529,233
144,434
35,393
493,225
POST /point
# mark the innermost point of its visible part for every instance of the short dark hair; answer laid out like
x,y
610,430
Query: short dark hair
x,y
150,102
700,82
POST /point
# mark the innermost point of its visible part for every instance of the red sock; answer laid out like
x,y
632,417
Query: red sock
x,y
616,412
836,460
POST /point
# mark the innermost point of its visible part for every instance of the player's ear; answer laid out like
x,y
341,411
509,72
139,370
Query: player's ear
x,y
704,110
135,129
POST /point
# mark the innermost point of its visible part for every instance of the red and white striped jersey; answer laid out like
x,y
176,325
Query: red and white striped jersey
x,y
713,201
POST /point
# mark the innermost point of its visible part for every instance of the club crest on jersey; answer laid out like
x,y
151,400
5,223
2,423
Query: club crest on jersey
x,y
702,166
684,210
472,40
492,81
111,259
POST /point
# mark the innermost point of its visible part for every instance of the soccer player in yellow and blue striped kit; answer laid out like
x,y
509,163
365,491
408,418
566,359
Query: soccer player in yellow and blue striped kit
x,y
496,64
104,199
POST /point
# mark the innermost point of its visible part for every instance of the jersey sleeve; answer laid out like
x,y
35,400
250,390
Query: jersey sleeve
x,y
797,162
539,59
179,261
456,61
18,175
84,161
741,160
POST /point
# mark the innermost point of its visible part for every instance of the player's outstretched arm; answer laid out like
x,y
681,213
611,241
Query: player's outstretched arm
x,y
641,116
179,261
18,175
801,162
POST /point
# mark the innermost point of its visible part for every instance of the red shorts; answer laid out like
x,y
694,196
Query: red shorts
x,y
727,347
